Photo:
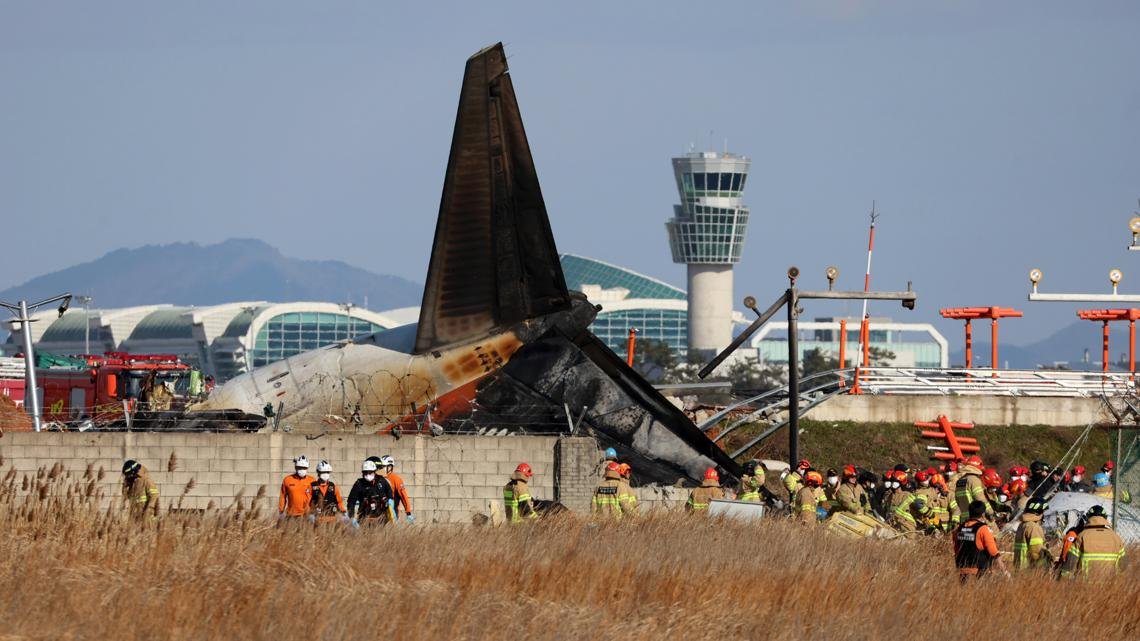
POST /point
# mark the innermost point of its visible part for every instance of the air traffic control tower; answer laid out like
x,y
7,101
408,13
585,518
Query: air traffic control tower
x,y
707,233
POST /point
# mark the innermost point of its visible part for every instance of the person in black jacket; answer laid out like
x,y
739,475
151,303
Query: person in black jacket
x,y
371,499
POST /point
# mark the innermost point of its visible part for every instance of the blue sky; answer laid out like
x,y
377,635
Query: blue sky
x,y
994,137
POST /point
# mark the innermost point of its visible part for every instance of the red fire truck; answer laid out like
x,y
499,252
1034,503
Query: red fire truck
x,y
101,388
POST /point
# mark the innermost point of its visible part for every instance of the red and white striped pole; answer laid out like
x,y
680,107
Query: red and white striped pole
x,y
864,327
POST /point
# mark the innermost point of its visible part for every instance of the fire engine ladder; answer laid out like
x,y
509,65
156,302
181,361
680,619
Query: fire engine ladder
x,y
772,407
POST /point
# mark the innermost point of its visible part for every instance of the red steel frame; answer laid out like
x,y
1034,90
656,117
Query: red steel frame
x,y
1107,316
977,313
960,446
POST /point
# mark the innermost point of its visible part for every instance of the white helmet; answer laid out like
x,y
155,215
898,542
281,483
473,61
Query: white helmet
x,y
387,461
301,461
324,466
368,466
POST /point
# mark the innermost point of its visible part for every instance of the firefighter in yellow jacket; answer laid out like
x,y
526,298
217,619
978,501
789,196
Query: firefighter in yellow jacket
x,y
1097,551
1029,551
851,497
969,487
709,489
613,497
140,493
751,483
516,496
809,497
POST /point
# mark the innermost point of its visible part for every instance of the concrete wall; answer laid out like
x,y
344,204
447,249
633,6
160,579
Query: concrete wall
x,y
982,410
449,478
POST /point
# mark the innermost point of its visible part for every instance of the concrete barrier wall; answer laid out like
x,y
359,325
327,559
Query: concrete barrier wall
x,y
982,410
449,478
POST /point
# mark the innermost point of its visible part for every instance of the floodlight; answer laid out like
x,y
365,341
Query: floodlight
x,y
1035,275
750,302
1134,224
1115,276
832,273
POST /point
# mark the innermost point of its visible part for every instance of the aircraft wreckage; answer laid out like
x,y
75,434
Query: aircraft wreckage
x,y
498,331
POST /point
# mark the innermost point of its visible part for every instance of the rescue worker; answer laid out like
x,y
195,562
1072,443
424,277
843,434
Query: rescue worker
x,y
751,483
851,497
386,467
516,496
1097,551
937,512
969,487
948,515
950,471
608,497
995,498
325,501
1077,482
870,484
370,499
1102,487
830,487
140,493
295,490
1038,478
1029,551
975,549
793,481
1018,496
708,490
610,454
1107,468
907,509
886,498
809,497
625,494
1067,542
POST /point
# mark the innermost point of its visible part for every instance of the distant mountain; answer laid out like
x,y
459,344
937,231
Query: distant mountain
x,y
1066,345
233,270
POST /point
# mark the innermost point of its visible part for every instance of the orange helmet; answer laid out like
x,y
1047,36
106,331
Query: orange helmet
x,y
974,460
803,464
901,477
1017,486
624,469
937,480
813,479
525,470
613,466
991,478
849,471
711,475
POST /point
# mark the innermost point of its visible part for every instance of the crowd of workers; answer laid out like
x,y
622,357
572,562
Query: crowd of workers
x,y
965,500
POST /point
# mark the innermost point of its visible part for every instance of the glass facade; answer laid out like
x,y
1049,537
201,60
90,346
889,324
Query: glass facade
x,y
290,334
580,271
708,226
669,326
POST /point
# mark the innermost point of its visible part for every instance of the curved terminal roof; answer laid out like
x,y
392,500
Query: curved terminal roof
x,y
162,324
581,271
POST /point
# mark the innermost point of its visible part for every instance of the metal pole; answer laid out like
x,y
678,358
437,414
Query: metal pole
x,y
1132,348
1104,348
969,345
86,325
842,350
793,380
1116,481
31,399
994,363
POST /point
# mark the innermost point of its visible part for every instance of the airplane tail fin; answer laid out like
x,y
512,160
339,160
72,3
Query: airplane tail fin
x,y
494,262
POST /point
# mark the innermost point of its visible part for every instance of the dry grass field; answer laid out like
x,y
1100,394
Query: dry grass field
x,y
76,572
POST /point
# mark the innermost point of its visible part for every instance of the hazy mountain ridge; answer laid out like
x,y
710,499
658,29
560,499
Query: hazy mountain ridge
x,y
232,270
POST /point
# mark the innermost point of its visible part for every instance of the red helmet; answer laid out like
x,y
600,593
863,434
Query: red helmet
x,y
1014,471
930,471
1079,469
711,475
974,460
624,469
991,478
1108,466
1017,487
803,464
921,476
525,470
813,479
849,471
613,466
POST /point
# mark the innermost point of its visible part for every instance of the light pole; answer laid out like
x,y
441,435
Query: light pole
x,y
86,301
791,297
31,399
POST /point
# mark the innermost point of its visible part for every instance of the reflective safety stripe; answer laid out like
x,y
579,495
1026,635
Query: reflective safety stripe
x,y
753,496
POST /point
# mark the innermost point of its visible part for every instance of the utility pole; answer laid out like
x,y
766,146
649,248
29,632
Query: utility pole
x,y
791,297
86,300
31,399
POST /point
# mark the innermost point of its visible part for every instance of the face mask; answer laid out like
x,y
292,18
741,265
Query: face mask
x,y
1076,478
370,477
301,472
833,480
1003,498
324,476
926,484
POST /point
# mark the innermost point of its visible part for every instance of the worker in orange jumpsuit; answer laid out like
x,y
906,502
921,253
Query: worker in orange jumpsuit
x,y
325,502
386,466
975,549
296,490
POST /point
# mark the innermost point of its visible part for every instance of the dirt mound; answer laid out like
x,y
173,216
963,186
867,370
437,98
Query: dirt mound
x,y
12,418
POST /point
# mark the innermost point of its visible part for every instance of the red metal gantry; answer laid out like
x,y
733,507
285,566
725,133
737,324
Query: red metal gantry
x,y
977,313
1106,316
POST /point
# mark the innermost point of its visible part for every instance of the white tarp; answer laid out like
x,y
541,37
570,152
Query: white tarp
x,y
1066,507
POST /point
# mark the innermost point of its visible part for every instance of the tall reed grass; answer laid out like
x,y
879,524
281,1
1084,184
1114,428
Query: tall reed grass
x,y
75,571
